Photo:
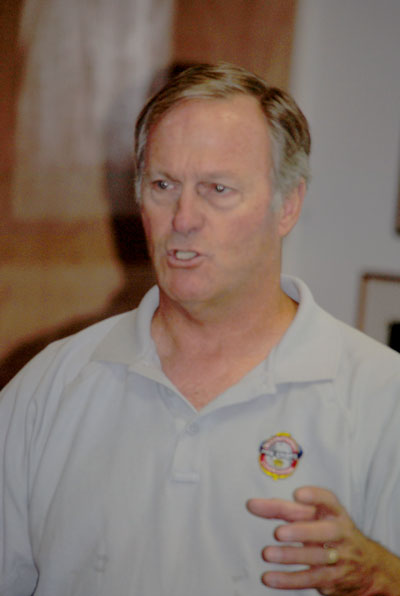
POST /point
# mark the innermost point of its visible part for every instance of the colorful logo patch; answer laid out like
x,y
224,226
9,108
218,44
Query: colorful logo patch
x,y
279,455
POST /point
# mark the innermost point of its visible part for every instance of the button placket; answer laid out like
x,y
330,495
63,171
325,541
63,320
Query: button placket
x,y
177,406
192,429
186,459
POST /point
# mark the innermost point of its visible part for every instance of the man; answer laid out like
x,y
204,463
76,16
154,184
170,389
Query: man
x,y
154,452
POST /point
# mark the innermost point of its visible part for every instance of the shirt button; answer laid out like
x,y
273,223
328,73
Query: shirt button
x,y
192,429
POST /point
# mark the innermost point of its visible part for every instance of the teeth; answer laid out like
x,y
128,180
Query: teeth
x,y
185,255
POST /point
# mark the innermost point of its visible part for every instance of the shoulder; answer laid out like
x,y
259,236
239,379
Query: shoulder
x,y
375,360
117,340
366,385
65,358
321,347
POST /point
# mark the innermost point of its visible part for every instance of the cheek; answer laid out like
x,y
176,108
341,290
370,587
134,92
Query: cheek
x,y
147,230
153,224
256,229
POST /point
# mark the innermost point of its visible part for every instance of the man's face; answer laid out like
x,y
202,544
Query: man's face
x,y
206,202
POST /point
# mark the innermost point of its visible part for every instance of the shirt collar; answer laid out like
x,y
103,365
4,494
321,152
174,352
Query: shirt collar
x,y
309,350
130,341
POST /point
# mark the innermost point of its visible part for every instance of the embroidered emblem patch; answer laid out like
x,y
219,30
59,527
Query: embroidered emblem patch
x,y
279,455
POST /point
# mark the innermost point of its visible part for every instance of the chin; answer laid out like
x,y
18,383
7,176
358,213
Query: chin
x,y
181,284
186,296
186,292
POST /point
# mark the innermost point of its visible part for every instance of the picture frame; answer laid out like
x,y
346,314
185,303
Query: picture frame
x,y
398,213
397,222
379,308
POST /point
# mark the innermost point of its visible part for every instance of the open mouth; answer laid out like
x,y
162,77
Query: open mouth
x,y
178,257
185,255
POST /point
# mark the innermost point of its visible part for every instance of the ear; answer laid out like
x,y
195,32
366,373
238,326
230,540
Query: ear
x,y
290,209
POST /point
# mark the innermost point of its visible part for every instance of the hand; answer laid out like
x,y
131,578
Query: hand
x,y
340,559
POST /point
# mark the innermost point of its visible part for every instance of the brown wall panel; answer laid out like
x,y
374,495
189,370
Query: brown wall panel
x,y
62,270
256,34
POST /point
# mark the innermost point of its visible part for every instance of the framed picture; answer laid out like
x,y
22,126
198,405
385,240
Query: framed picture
x,y
398,203
379,309
398,210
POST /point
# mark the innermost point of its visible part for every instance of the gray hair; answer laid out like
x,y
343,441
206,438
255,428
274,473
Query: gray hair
x,y
289,131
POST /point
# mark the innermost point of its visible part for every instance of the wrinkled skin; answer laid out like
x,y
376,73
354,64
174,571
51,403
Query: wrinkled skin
x,y
316,518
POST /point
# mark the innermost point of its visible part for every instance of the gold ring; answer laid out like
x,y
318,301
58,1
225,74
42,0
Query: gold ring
x,y
333,555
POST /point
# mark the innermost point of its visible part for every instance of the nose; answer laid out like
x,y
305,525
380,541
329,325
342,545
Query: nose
x,y
188,216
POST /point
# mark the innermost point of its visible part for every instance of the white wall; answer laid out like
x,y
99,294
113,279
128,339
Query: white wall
x,y
346,78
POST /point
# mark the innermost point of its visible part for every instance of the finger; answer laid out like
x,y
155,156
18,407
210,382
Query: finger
x,y
315,577
295,555
281,509
318,532
325,501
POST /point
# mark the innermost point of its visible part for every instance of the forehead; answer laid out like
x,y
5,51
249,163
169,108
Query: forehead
x,y
231,126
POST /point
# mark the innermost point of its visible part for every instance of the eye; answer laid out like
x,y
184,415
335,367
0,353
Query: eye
x,y
163,189
161,184
218,194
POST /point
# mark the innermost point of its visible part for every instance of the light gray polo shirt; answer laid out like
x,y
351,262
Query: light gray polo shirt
x,y
113,484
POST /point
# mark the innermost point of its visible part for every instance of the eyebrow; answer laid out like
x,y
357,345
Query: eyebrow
x,y
211,175
220,174
156,173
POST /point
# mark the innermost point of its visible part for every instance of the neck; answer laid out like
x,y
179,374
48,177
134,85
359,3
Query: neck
x,y
204,351
257,319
